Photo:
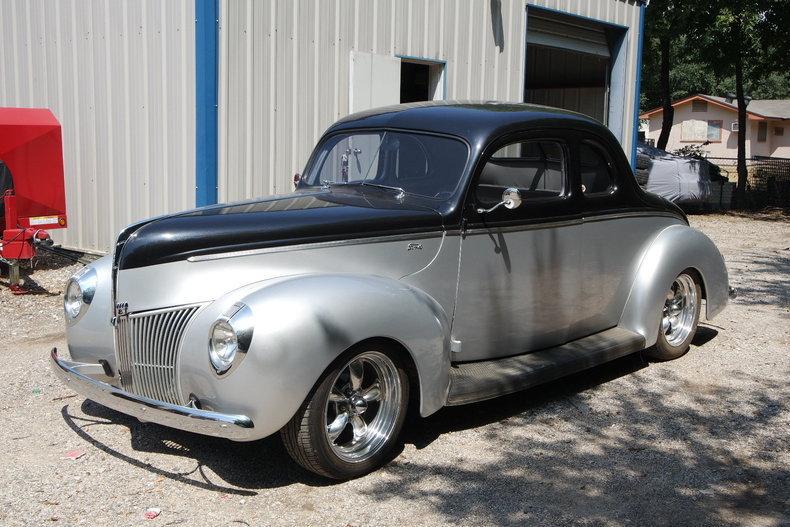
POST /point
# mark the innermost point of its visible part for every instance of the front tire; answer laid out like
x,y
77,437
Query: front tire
x,y
350,424
679,318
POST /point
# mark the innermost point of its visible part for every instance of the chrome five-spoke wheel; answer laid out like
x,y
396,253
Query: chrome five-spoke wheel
x,y
679,317
350,424
363,406
680,310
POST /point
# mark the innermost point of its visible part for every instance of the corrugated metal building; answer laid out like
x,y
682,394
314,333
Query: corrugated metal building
x,y
166,105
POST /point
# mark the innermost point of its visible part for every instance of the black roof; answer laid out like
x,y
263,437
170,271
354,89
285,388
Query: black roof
x,y
475,121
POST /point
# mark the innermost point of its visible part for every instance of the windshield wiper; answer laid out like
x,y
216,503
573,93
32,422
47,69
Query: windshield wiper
x,y
400,191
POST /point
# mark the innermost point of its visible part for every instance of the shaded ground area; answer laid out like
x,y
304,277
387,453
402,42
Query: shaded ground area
x,y
703,440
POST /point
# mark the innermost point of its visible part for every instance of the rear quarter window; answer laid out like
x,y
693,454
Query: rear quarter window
x,y
597,170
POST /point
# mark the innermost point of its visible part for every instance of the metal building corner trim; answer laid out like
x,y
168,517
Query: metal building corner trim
x,y
206,100
639,49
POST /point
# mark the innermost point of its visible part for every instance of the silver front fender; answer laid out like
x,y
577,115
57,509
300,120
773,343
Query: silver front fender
x,y
91,338
302,324
673,250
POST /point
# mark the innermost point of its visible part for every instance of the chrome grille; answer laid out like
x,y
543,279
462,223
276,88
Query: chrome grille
x,y
147,346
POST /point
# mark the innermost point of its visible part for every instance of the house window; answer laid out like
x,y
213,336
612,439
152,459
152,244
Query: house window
x,y
698,105
779,130
714,130
762,131
694,130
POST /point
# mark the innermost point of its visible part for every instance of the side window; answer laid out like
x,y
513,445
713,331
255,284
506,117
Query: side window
x,y
596,170
536,168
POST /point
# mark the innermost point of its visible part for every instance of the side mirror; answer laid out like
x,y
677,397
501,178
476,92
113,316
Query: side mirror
x,y
511,199
297,179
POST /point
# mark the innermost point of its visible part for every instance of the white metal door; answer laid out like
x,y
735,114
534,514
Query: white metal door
x,y
375,81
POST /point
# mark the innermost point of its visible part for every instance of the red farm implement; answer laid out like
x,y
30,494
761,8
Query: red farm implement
x,y
32,192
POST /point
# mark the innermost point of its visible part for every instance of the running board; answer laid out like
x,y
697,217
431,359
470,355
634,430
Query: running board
x,y
477,381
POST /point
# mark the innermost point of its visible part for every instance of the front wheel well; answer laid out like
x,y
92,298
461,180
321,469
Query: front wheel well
x,y
381,344
402,352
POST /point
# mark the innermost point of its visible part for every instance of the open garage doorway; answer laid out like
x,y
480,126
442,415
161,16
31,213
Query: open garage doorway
x,y
576,64
421,80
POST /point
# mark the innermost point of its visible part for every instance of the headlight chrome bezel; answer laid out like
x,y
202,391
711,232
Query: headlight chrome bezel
x,y
239,319
86,280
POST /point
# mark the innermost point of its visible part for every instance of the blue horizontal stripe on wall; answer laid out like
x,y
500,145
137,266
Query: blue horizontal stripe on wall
x,y
206,96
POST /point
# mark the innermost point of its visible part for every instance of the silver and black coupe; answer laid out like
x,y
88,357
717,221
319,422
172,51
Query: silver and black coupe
x,y
431,254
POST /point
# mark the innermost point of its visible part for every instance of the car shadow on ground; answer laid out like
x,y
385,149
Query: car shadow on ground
x,y
266,464
630,474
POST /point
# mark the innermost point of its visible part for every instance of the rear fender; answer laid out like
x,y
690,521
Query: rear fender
x,y
673,250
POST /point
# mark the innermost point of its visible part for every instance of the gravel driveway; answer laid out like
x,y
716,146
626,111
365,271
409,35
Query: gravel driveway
x,y
704,440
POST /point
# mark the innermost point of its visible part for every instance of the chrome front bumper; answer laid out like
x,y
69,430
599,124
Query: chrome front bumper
x,y
235,427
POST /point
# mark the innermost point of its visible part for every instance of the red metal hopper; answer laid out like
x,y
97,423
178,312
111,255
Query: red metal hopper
x,y
32,190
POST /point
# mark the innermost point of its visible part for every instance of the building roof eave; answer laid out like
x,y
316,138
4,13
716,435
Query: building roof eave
x,y
750,115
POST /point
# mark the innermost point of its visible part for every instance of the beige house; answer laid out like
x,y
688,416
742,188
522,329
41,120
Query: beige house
x,y
713,123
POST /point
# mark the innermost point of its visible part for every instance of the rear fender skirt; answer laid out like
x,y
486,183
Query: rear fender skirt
x,y
673,250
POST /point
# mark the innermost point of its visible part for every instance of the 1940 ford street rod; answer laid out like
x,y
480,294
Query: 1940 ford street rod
x,y
432,254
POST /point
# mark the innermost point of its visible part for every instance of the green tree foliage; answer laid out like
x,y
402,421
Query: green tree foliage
x,y
695,70
716,47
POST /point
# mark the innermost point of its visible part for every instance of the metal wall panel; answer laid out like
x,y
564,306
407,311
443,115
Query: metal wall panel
x,y
120,77
284,75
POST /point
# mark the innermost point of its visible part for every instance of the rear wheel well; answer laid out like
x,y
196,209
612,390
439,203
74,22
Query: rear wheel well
x,y
698,277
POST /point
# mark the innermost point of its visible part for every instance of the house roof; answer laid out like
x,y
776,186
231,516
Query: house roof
x,y
758,109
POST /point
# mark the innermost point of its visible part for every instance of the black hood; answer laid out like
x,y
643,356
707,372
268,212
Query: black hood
x,y
304,217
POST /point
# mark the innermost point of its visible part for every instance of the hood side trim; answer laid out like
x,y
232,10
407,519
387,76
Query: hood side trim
x,y
318,245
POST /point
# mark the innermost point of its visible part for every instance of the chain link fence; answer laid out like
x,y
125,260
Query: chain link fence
x,y
768,183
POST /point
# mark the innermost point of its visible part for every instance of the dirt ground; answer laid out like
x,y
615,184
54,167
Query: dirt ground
x,y
704,440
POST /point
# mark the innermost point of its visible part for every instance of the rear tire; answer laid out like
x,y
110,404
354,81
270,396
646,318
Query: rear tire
x,y
679,318
350,424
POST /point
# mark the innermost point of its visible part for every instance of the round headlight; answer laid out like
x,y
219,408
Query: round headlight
x,y
223,344
79,293
72,299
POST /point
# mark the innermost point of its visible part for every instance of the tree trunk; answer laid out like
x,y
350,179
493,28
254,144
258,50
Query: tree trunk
x,y
666,95
743,173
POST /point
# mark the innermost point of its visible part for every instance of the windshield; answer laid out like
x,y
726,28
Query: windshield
x,y
421,164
